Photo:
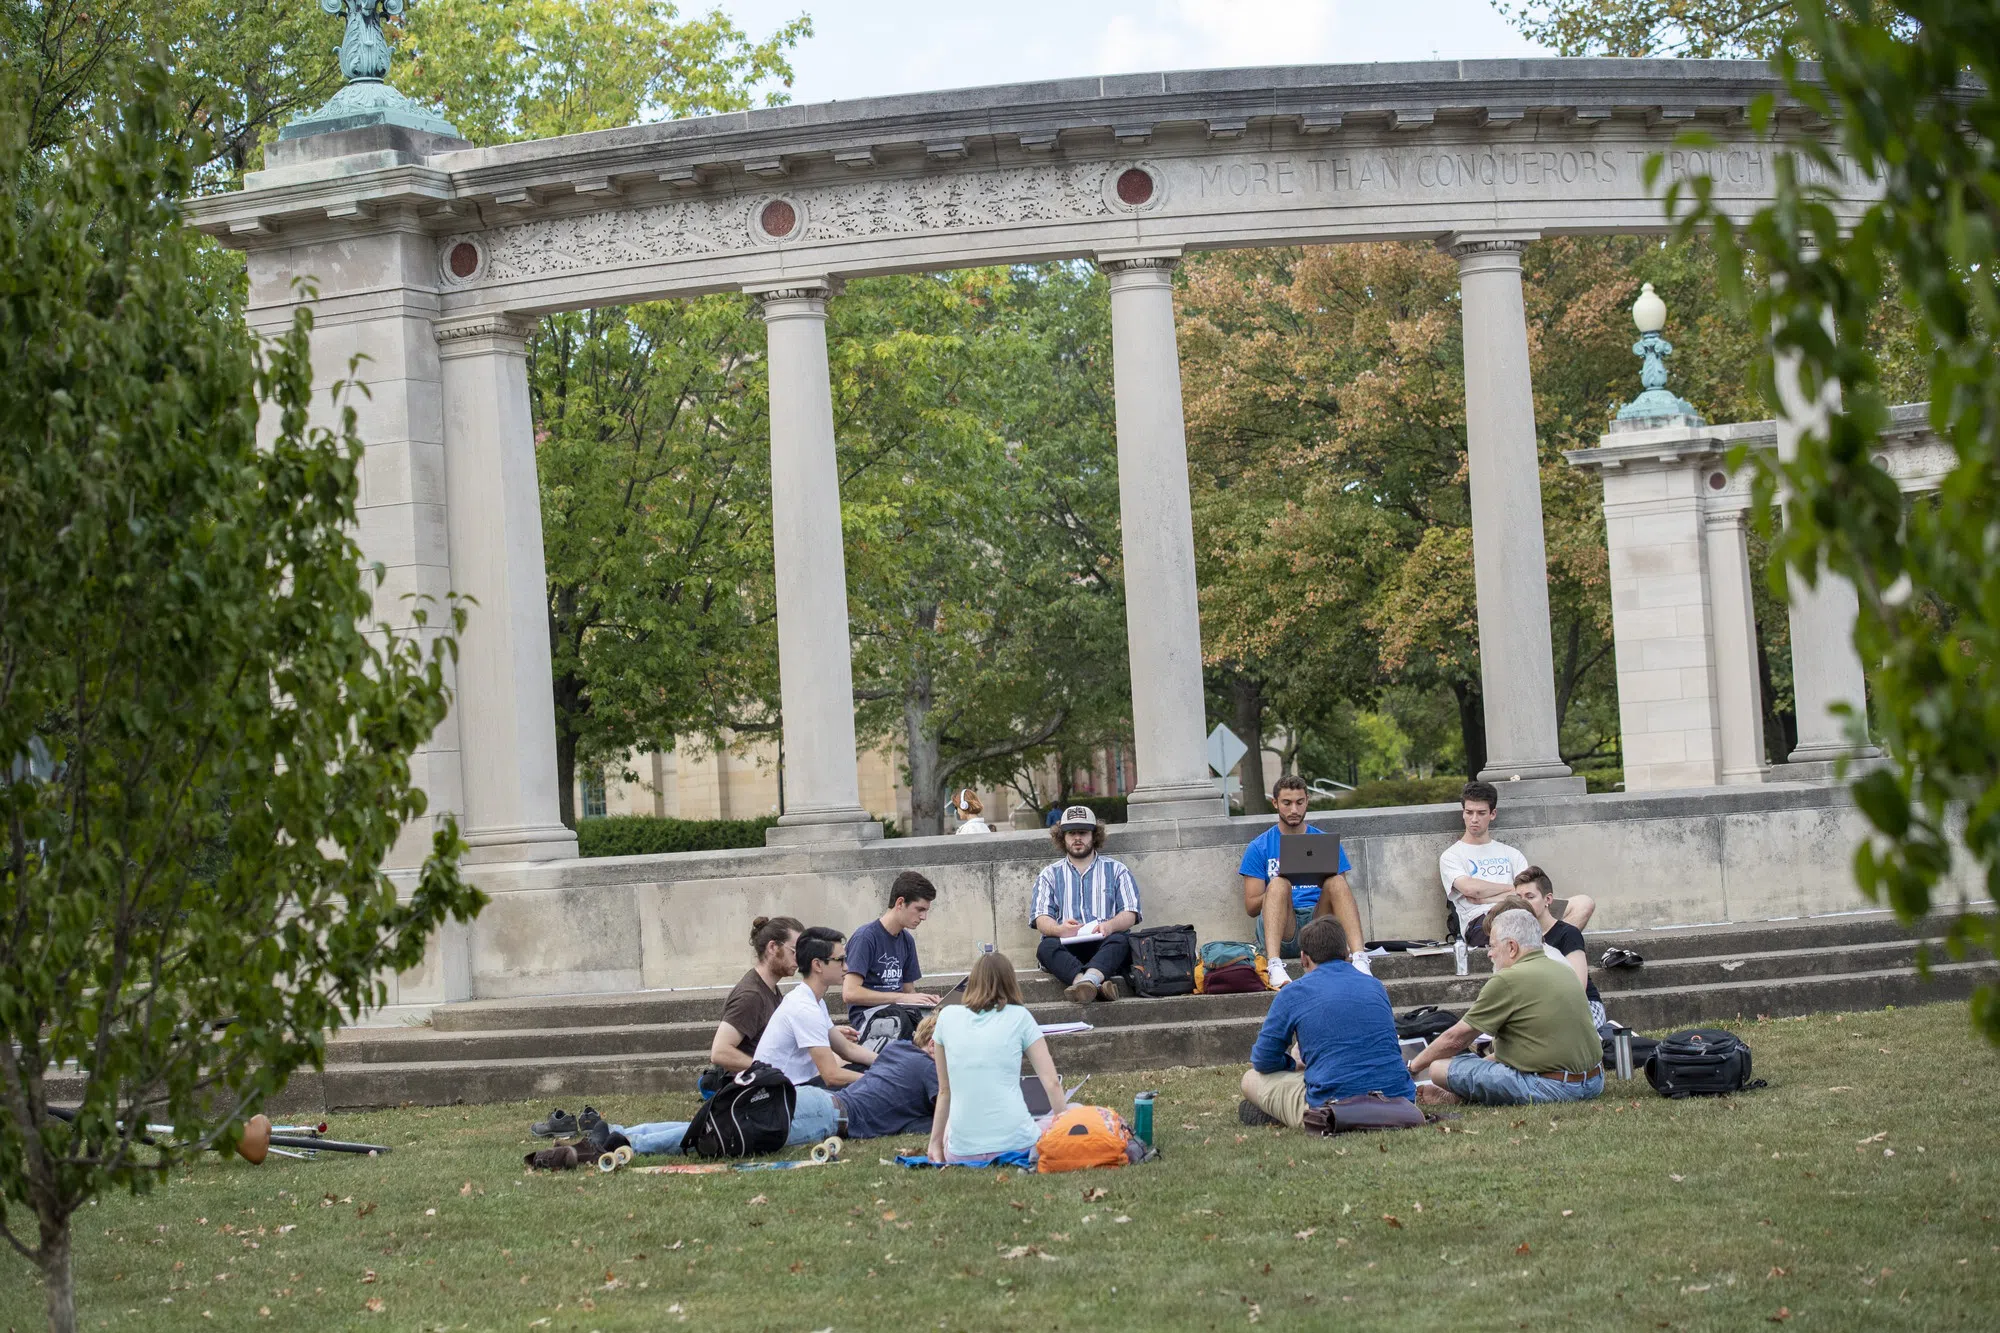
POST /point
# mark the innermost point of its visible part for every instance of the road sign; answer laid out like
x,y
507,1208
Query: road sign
x,y
1224,749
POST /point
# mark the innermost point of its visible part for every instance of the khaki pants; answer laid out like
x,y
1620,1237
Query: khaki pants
x,y
1281,1096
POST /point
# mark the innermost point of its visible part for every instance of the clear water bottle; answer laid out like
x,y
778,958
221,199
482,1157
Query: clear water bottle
x,y
1461,956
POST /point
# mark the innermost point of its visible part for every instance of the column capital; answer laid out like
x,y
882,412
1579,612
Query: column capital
x,y
481,334
1139,265
796,297
1720,516
1504,246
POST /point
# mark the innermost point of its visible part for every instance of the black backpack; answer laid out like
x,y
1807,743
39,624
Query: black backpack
x,y
1427,1024
751,1115
1163,960
1700,1062
889,1023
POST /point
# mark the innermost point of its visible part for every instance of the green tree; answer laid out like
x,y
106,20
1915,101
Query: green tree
x,y
1697,28
1911,91
205,739
987,623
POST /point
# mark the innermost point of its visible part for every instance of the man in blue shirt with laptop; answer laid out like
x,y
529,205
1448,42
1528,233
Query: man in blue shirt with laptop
x,y
1340,1021
1281,906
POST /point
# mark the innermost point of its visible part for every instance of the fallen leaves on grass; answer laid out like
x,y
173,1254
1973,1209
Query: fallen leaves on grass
x,y
1676,1179
465,1190
1307,1234
1782,1314
1121,1218
1874,1138
1393,1221
363,1210
368,1276
1092,1195
373,1305
1023,1251
1569,1212
760,1199
1522,1248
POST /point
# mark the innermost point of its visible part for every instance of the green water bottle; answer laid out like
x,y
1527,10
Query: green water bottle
x,y
1142,1117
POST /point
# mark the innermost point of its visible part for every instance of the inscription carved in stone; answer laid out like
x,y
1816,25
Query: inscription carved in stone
x,y
695,227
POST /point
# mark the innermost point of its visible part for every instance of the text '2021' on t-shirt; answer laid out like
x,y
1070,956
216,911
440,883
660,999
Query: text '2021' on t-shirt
x,y
1260,861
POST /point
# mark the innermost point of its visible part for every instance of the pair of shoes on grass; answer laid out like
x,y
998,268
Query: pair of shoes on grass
x,y
591,1130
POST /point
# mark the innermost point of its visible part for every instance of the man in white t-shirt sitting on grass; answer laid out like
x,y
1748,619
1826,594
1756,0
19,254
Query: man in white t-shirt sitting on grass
x,y
800,1041
1478,872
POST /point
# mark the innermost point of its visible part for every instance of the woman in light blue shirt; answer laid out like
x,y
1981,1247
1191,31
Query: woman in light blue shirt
x,y
980,1110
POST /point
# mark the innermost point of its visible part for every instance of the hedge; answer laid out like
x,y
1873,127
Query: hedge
x,y
647,835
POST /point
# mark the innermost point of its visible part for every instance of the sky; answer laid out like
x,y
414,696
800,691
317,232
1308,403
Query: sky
x,y
870,48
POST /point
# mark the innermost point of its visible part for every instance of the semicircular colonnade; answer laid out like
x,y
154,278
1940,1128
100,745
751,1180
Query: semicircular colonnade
x,y
432,256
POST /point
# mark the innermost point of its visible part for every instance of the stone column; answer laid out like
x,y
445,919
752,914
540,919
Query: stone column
x,y
1738,692
815,664
506,700
1510,564
1162,619
1826,669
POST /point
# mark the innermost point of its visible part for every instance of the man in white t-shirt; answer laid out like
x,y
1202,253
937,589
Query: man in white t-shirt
x,y
1477,871
800,1041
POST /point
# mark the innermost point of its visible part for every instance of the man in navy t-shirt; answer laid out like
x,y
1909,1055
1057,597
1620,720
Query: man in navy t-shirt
x,y
882,955
1281,907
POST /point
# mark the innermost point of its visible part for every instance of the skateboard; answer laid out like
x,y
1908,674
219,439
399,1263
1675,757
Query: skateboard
x,y
825,1153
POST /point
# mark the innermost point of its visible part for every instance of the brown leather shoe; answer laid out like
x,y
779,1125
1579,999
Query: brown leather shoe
x,y
1080,991
1108,989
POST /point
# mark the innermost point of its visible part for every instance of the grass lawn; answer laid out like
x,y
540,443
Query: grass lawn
x,y
1859,1191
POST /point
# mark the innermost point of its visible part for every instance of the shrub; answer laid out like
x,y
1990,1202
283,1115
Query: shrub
x,y
648,835
1403,791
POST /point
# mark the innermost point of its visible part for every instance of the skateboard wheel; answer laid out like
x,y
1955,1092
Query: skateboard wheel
x,y
608,1162
623,1152
826,1151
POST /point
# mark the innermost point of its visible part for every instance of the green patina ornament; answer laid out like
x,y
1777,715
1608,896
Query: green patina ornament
x,y
1657,404
366,99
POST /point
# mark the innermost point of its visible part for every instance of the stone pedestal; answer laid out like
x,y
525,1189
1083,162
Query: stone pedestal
x,y
1162,618
1510,562
506,702
822,792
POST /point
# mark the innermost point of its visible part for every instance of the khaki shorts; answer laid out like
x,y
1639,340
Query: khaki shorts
x,y
1281,1096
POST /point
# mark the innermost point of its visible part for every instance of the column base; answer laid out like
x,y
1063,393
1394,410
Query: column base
x,y
1513,789
1187,800
1747,777
551,842
1817,765
851,826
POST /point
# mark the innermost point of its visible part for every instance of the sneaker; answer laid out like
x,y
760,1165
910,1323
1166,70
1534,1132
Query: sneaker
x,y
560,1125
1080,991
1108,989
1252,1114
1275,969
588,1120
1621,958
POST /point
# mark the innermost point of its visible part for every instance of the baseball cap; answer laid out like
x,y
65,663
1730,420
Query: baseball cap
x,y
1077,816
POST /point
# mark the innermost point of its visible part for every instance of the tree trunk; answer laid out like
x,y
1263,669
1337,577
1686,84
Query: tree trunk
x,y
566,776
59,1287
920,749
1246,694
1471,725
1781,727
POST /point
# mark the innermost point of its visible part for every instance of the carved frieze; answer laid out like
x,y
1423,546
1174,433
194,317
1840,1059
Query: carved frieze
x,y
845,211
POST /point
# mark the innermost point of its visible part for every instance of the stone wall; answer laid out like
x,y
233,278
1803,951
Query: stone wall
x,y
1717,854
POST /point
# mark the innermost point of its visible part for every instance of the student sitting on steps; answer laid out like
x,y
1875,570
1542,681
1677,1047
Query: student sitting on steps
x,y
1089,895
882,955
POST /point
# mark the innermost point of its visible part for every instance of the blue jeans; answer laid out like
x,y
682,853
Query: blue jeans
x,y
1289,948
1491,1083
813,1118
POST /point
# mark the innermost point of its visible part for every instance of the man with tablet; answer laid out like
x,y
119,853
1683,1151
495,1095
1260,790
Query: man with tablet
x,y
1283,895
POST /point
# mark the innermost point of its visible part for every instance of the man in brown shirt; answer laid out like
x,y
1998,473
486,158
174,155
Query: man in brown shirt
x,y
754,999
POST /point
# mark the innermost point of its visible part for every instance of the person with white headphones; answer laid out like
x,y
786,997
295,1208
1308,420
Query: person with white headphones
x,y
967,808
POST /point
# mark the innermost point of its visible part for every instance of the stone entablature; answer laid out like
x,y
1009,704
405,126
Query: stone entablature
x,y
994,175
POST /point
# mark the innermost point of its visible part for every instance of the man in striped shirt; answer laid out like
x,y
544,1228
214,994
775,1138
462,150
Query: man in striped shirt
x,y
1089,901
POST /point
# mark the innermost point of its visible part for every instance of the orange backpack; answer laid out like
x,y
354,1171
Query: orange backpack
x,y
1083,1137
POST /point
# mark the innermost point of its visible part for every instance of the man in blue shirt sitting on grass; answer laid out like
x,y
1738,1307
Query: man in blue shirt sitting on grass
x,y
1283,908
1340,1020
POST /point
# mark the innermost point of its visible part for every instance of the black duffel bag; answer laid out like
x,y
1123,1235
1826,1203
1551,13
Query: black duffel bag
x,y
1163,960
1426,1024
1700,1062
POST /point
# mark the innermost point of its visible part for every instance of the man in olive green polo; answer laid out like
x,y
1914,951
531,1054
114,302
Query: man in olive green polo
x,y
1545,1048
